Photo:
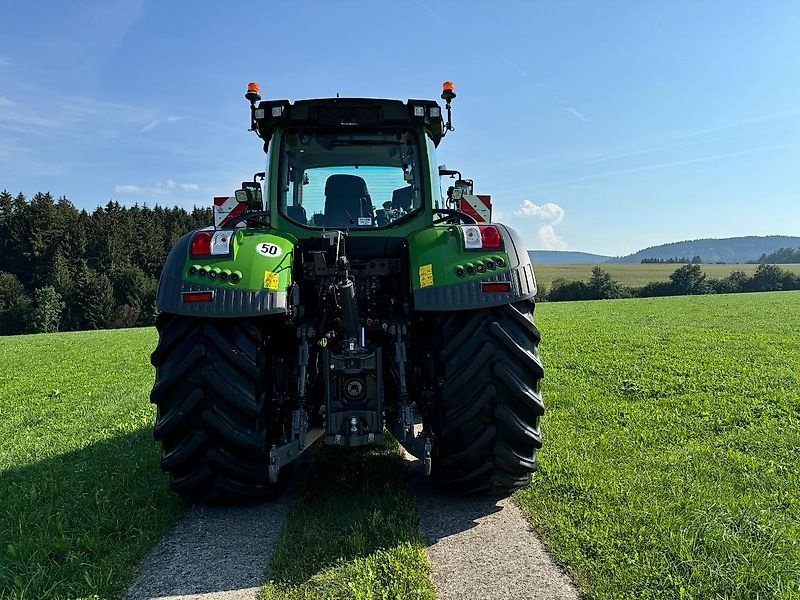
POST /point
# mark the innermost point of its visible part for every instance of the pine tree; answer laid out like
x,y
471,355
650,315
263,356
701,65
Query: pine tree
x,y
47,309
15,305
98,303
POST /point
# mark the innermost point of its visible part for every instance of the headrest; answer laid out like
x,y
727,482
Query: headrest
x,y
345,185
402,197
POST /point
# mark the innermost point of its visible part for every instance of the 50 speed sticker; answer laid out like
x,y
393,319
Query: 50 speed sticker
x,y
268,249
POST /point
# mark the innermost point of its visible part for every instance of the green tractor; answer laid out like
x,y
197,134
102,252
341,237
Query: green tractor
x,y
346,299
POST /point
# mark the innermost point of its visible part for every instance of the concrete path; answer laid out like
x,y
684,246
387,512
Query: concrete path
x,y
482,548
213,554
218,553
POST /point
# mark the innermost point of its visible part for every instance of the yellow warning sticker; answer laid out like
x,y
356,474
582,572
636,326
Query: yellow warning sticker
x,y
426,276
271,280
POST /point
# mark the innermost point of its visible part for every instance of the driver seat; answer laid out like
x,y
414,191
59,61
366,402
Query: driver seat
x,y
346,199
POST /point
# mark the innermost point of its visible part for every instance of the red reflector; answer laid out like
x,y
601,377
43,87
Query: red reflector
x,y
201,243
198,296
490,237
499,286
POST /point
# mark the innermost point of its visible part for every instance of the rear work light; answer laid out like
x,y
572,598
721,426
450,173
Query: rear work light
x,y
198,296
482,237
496,286
211,243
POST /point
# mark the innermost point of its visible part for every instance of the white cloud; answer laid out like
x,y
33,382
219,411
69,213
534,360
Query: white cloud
x,y
575,113
157,189
549,240
549,211
158,122
17,117
128,189
550,214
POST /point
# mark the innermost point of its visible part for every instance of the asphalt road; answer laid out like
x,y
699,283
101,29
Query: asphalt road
x,y
483,548
478,548
215,553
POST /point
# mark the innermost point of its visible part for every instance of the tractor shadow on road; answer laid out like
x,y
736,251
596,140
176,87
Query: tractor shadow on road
x,y
444,515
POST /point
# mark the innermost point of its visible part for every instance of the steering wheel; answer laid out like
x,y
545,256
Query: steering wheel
x,y
256,217
451,215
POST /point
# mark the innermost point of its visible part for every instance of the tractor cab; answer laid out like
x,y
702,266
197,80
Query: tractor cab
x,y
360,165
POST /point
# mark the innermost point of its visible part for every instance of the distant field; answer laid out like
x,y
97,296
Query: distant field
x,y
82,498
637,274
671,465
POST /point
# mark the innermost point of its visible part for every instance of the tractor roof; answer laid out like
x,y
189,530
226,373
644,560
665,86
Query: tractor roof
x,y
347,114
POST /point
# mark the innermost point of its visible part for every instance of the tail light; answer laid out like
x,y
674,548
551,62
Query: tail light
x,y
198,296
496,286
482,237
201,243
211,243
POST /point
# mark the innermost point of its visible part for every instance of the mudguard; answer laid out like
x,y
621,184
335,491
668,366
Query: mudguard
x,y
262,260
438,256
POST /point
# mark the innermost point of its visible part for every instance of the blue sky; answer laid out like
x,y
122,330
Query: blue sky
x,y
603,127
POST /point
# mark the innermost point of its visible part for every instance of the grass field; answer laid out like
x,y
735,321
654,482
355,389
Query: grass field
x,y
636,275
82,499
671,466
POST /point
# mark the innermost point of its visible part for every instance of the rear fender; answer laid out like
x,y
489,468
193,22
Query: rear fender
x,y
262,260
438,255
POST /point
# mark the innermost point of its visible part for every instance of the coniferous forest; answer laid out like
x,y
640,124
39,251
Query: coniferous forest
x,y
66,269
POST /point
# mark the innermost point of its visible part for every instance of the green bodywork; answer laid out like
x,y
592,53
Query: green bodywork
x,y
436,254
257,271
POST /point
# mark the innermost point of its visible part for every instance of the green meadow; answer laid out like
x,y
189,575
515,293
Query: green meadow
x,y
671,465
670,468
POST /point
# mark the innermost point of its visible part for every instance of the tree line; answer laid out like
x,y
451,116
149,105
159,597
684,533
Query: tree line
x,y
686,280
674,260
783,256
67,269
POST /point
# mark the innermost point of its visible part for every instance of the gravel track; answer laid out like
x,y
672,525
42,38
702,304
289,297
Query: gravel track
x,y
218,553
479,548
482,548
213,554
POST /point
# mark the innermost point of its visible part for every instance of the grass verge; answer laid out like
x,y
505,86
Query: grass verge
x,y
352,531
671,466
82,499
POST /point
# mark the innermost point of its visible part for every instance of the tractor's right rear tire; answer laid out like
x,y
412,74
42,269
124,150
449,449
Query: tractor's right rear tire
x,y
488,402
216,418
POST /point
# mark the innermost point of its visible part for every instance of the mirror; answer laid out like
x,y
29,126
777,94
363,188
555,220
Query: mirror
x,y
251,195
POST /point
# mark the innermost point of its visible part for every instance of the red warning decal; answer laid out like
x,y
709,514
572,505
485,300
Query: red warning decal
x,y
225,209
477,207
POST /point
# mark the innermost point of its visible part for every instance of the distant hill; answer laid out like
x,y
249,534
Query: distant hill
x,y
728,250
563,257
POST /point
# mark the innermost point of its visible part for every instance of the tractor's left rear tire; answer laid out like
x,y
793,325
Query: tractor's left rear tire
x,y
217,418
488,403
